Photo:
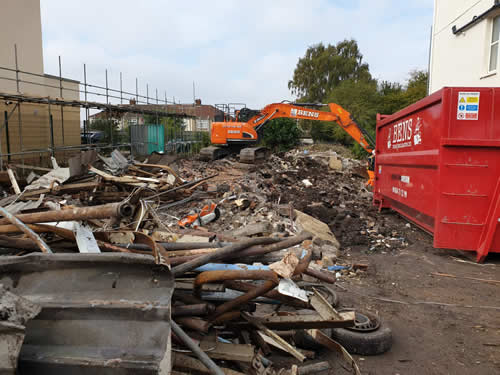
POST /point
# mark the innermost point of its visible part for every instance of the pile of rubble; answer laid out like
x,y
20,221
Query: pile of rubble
x,y
252,250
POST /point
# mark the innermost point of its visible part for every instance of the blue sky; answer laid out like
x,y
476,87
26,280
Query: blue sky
x,y
234,51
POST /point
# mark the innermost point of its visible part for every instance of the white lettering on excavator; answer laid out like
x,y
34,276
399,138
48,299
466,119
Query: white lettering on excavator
x,y
401,134
300,112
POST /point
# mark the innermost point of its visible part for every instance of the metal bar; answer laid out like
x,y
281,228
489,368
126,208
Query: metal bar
x,y
19,122
202,356
121,89
51,124
17,68
7,134
60,79
107,93
18,223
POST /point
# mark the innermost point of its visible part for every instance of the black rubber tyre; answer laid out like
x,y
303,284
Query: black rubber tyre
x,y
373,342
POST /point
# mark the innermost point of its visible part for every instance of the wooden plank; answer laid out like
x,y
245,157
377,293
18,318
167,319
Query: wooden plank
x,y
13,181
301,322
230,352
328,343
322,307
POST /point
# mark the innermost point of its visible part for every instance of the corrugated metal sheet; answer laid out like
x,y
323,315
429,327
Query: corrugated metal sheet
x,y
101,313
147,139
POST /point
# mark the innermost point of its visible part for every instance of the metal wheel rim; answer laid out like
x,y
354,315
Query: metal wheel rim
x,y
364,322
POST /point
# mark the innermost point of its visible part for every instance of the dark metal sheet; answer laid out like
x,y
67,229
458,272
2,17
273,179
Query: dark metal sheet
x,y
101,313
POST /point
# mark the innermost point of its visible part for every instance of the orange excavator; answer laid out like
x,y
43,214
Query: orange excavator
x,y
242,132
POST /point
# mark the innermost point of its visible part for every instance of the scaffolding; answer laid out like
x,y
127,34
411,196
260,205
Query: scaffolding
x,y
64,98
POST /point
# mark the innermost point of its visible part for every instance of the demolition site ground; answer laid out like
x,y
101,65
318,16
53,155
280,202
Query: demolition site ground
x,y
441,324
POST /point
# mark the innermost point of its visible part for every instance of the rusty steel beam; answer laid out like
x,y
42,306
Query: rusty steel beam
x,y
77,213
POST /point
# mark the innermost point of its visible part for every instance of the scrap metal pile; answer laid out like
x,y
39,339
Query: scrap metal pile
x,y
253,274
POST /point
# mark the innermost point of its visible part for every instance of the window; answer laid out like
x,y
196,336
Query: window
x,y
494,44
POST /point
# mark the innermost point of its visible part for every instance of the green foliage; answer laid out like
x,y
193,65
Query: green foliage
x,y
205,139
323,68
337,74
109,127
281,134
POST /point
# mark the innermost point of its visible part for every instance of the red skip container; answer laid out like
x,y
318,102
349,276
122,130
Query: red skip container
x,y
438,164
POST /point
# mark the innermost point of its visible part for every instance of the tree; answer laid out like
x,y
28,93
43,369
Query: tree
x,y
395,97
281,134
324,68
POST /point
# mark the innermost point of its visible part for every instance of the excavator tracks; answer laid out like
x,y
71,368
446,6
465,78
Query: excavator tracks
x,y
251,155
213,153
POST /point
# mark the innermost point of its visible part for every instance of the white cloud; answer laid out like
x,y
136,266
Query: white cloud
x,y
235,51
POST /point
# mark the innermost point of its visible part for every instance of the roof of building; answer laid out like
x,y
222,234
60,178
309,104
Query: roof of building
x,y
202,111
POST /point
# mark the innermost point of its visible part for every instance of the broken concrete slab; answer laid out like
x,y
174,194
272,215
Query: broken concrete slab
x,y
335,163
316,227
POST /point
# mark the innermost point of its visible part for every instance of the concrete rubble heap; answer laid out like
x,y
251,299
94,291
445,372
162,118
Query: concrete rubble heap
x,y
253,276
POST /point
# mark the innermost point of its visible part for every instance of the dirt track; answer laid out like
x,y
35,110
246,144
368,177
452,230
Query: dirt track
x,y
430,338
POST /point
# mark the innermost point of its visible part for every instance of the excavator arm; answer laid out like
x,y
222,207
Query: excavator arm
x,y
336,114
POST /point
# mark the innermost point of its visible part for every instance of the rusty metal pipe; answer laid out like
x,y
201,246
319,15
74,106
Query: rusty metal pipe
x,y
190,245
222,253
202,356
196,324
78,213
303,264
248,296
284,244
253,250
273,294
29,232
186,253
214,276
320,275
